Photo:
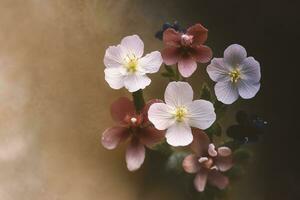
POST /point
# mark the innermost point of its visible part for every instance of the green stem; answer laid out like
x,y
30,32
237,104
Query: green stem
x,y
138,100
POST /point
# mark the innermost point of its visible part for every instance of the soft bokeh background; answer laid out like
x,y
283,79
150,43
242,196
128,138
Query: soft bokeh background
x,y
54,100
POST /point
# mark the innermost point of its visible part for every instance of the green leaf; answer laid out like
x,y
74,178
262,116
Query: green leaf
x,y
169,69
215,129
174,162
235,172
167,74
220,109
241,156
206,93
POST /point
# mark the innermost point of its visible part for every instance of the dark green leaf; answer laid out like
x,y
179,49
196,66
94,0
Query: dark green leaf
x,y
241,155
206,93
215,129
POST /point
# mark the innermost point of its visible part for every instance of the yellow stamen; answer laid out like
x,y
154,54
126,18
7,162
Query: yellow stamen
x,y
235,75
180,113
132,65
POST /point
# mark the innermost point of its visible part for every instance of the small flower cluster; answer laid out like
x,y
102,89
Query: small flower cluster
x,y
179,120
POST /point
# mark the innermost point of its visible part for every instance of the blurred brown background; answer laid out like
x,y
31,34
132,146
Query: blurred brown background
x,y
54,100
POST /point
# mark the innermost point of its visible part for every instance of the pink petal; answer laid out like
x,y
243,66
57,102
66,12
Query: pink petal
x,y
187,66
135,154
200,180
200,142
150,136
170,55
224,163
224,151
147,106
217,179
199,33
121,108
191,164
171,37
111,137
201,53
212,150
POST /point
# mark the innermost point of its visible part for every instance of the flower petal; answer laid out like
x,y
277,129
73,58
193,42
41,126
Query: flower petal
x,y
134,45
224,151
150,136
160,115
135,155
234,55
134,82
200,142
111,137
146,108
247,89
217,179
200,180
171,37
199,33
224,163
201,53
218,70
114,77
178,94
201,114
191,164
114,56
187,67
250,70
226,92
212,150
179,134
151,62
170,55
121,108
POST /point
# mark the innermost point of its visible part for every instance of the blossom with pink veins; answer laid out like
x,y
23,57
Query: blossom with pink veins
x,y
208,162
186,49
134,127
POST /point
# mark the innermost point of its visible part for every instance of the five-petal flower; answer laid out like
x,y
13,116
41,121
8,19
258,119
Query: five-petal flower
x,y
180,113
125,66
236,75
133,126
207,162
186,49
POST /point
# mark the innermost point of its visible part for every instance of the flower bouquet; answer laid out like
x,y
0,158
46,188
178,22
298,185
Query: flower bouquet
x,y
185,133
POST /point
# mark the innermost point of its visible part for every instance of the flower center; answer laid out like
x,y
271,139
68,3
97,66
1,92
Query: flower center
x,y
132,65
180,113
186,40
235,75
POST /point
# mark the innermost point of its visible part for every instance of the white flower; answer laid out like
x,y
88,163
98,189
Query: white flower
x,y
236,75
125,66
180,113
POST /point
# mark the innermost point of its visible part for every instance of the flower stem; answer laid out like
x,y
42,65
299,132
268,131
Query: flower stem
x,y
138,100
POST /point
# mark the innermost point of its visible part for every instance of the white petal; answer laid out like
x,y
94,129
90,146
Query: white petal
x,y
247,90
226,92
160,115
151,62
234,54
201,114
178,94
134,82
134,45
179,134
218,70
114,77
114,56
250,70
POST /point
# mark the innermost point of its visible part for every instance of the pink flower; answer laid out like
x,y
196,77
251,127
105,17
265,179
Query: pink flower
x,y
208,162
186,49
133,126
